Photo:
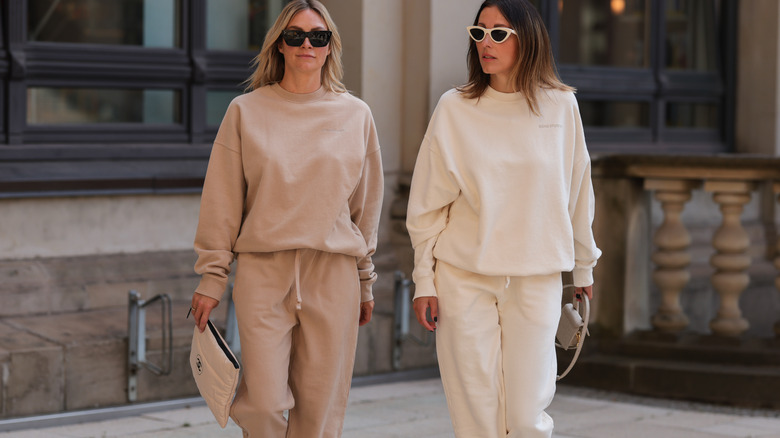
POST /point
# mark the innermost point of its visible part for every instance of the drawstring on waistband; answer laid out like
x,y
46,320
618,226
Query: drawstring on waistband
x,y
298,279
507,282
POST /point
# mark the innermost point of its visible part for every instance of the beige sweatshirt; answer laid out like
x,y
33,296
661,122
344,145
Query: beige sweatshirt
x,y
500,191
290,171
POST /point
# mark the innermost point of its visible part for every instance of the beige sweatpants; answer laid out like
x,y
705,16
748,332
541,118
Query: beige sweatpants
x,y
295,359
496,346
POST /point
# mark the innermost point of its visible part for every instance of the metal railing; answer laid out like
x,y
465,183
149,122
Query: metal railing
x,y
231,323
136,340
401,317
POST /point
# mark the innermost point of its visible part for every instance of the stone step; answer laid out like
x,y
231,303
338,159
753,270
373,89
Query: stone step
x,y
735,372
78,360
695,347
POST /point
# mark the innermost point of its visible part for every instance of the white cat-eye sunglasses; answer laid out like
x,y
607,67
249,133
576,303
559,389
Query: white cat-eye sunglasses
x,y
497,34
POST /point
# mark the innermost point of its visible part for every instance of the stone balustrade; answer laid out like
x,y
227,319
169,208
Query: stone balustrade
x,y
732,180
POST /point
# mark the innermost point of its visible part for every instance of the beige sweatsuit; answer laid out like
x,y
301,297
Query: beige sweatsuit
x,y
501,203
293,190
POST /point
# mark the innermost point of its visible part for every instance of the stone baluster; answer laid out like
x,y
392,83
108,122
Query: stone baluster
x,y
731,260
671,257
776,187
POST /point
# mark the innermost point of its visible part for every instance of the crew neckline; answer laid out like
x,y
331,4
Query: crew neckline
x,y
299,97
506,97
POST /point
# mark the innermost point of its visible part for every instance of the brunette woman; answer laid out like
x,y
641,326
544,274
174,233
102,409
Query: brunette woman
x,y
501,203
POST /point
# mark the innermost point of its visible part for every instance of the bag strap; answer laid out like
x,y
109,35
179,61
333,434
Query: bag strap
x,y
583,330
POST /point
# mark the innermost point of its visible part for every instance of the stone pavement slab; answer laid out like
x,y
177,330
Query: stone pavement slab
x,y
418,408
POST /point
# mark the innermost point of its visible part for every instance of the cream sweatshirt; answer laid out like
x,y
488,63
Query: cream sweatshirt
x,y
290,171
500,191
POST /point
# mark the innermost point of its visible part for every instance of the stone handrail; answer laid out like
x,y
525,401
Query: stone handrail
x,y
731,179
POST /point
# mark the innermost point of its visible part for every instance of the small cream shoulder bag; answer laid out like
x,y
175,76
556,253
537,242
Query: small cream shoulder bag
x,y
573,327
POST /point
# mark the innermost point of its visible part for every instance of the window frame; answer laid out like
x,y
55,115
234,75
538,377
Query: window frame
x,y
90,151
89,158
659,86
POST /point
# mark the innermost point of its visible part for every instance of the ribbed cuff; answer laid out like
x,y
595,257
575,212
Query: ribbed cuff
x,y
366,292
211,286
582,277
424,287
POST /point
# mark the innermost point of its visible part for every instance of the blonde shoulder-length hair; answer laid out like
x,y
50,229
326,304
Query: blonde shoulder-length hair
x,y
535,66
269,63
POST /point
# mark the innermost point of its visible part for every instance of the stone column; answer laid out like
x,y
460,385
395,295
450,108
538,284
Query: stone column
x,y
776,188
758,78
622,231
671,257
730,261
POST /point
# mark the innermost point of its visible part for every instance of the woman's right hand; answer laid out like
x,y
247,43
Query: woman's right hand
x,y
201,309
421,305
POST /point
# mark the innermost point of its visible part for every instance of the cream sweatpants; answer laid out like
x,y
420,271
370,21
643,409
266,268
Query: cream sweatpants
x,y
496,347
295,359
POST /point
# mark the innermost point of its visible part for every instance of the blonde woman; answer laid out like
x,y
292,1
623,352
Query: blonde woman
x,y
501,203
293,191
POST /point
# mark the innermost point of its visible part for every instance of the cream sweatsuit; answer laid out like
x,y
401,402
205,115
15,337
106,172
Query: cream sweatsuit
x,y
501,203
294,191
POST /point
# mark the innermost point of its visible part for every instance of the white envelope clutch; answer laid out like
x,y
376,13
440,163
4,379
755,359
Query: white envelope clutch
x,y
215,369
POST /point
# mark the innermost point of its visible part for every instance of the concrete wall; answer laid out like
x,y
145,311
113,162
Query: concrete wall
x,y
449,44
77,226
416,102
348,15
399,57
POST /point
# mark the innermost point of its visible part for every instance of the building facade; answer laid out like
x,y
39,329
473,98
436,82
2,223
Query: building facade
x,y
108,110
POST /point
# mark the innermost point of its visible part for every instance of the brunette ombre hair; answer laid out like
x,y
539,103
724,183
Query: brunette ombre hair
x,y
269,63
535,67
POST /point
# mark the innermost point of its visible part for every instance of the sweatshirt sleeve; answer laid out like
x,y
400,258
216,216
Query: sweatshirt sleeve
x,y
582,209
221,209
365,206
433,190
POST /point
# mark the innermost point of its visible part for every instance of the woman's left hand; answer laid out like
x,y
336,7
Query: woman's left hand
x,y
366,309
587,290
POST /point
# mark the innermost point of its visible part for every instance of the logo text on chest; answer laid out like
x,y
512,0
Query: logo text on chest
x,y
551,125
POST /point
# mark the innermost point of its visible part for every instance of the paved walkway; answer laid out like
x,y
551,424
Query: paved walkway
x,y
418,409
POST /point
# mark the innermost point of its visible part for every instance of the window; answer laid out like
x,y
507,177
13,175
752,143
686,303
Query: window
x,y
692,115
651,74
3,75
152,78
691,35
162,69
605,114
248,19
147,23
93,82
605,33
65,106
217,102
